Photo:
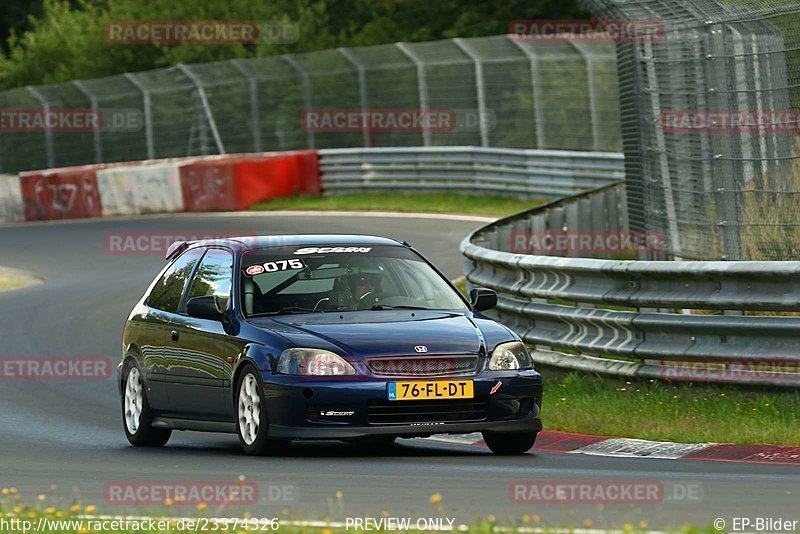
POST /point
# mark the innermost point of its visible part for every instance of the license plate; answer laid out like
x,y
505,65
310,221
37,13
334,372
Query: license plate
x,y
440,389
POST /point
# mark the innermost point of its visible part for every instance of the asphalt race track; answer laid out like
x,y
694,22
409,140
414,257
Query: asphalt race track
x,y
69,434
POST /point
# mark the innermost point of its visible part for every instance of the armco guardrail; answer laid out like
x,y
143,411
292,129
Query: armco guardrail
x,y
700,321
552,173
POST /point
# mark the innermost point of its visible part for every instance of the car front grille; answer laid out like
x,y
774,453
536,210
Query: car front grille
x,y
415,366
383,412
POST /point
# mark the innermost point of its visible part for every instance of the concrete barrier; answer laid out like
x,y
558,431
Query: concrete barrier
x,y
66,193
11,207
213,183
141,189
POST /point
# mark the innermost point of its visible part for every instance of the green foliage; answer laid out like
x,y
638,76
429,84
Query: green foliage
x,y
425,203
66,42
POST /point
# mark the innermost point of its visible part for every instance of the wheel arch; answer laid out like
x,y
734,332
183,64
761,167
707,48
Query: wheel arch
x,y
255,355
132,353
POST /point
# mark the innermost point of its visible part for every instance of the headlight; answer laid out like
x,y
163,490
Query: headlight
x,y
313,362
510,357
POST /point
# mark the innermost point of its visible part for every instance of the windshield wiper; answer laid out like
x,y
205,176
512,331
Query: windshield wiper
x,y
384,307
289,310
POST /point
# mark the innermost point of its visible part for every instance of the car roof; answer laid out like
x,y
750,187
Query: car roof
x,y
252,242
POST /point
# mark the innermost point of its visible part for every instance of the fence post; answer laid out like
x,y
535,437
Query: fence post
x,y
206,107
362,88
422,87
306,92
48,133
592,94
255,114
661,148
481,89
98,143
536,92
148,115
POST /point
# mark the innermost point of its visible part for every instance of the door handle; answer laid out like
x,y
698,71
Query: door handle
x,y
175,335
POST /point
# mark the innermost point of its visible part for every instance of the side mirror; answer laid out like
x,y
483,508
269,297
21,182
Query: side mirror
x,y
204,308
483,299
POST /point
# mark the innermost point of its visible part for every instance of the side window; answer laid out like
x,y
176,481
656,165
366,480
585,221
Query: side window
x,y
213,278
166,294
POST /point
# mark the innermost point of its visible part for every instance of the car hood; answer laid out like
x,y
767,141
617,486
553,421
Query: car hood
x,y
382,333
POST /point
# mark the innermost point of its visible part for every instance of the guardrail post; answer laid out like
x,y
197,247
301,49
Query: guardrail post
x,y
481,88
422,87
306,92
48,133
148,114
255,114
98,144
206,107
536,92
362,88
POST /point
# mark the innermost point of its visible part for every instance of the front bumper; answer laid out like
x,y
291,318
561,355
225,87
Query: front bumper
x,y
300,408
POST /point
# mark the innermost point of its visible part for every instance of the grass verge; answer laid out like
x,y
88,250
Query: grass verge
x,y
663,411
9,281
492,206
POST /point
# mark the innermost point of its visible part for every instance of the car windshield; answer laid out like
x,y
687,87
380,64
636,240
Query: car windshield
x,y
284,280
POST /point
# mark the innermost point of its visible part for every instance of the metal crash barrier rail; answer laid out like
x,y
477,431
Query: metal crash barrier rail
x,y
711,321
475,170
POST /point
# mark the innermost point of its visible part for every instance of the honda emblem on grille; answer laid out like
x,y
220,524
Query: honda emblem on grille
x,y
421,348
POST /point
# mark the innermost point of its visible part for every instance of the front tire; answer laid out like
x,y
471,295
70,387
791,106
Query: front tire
x,y
252,423
509,443
137,418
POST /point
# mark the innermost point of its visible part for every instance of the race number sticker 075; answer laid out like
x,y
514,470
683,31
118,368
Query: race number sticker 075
x,y
292,264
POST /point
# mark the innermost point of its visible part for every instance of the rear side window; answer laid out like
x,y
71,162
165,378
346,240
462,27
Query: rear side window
x,y
213,278
166,294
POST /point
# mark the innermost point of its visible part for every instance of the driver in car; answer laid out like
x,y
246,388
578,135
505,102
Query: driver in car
x,y
364,288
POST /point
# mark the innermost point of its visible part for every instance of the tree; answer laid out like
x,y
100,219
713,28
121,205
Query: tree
x,y
63,40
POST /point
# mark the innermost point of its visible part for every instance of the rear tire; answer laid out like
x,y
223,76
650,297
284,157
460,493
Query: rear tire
x,y
137,418
252,422
509,443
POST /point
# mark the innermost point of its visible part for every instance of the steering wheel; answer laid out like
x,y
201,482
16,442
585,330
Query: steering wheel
x,y
364,303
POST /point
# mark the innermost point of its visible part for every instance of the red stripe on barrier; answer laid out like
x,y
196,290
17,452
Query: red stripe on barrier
x,y
309,179
555,441
273,176
67,193
208,186
769,454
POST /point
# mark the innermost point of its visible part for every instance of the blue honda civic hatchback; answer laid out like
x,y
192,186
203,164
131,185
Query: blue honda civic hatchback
x,y
314,337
